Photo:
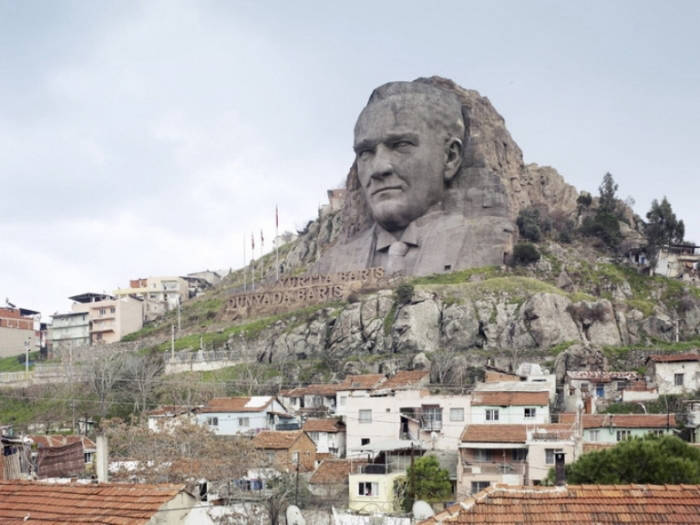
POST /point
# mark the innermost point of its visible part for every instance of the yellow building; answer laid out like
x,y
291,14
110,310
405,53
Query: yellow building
x,y
370,493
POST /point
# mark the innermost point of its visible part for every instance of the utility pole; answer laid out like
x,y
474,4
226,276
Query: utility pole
x,y
27,343
179,325
172,341
296,489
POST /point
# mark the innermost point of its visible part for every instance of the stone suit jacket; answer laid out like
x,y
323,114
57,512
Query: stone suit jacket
x,y
446,242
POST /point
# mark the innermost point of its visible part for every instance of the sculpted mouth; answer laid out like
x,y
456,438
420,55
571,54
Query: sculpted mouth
x,y
386,188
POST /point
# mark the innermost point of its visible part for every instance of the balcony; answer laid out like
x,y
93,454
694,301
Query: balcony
x,y
494,467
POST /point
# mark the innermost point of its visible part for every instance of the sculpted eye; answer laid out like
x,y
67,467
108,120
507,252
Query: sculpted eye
x,y
402,144
364,154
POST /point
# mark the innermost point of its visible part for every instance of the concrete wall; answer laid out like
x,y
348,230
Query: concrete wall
x,y
664,377
383,501
386,420
609,434
12,341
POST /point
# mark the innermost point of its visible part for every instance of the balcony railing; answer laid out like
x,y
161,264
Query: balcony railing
x,y
494,467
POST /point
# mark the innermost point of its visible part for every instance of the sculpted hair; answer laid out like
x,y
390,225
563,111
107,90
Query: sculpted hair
x,y
440,107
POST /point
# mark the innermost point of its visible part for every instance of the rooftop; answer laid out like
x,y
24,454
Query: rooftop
x,y
486,398
90,297
576,504
406,378
324,425
237,404
622,420
58,504
332,471
598,376
59,440
495,433
276,439
673,358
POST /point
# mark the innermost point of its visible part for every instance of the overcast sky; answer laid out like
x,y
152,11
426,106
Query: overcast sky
x,y
149,138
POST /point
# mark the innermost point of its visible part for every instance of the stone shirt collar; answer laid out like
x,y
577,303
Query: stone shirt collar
x,y
411,235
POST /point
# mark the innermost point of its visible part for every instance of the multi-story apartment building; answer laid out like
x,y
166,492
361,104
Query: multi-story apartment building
x,y
159,294
69,331
18,327
110,318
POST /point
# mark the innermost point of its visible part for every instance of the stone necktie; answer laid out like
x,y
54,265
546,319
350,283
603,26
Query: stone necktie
x,y
396,261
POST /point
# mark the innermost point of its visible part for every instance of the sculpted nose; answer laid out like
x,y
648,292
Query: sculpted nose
x,y
381,165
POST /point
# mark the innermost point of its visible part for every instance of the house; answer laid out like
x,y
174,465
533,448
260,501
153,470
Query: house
x,y
287,449
679,261
675,373
596,389
159,294
330,479
110,318
611,428
576,504
510,407
68,331
68,503
355,386
383,414
328,435
18,327
371,485
514,454
40,441
227,416
167,417
529,377
692,411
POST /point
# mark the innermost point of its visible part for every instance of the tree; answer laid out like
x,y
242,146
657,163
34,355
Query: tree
x,y
141,374
104,372
608,199
663,227
652,459
427,481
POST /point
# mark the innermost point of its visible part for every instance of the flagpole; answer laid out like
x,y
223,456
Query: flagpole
x,y
245,269
277,245
252,245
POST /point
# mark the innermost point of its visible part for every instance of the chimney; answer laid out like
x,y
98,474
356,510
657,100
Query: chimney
x,y
559,469
102,459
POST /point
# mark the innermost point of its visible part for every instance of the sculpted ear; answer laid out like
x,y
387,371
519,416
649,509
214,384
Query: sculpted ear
x,y
453,158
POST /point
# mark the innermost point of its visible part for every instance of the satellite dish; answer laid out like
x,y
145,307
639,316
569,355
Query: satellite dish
x,y
294,516
422,510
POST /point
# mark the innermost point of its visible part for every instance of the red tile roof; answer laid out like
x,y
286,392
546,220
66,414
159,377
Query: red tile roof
x,y
277,439
673,358
55,504
495,433
487,398
406,378
576,504
60,440
622,420
332,471
324,425
362,382
237,404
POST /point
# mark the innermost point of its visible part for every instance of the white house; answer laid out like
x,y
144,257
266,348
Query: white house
x,y
600,387
509,407
227,416
611,428
675,373
328,435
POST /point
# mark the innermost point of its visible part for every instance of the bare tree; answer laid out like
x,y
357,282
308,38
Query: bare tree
x,y
104,372
141,374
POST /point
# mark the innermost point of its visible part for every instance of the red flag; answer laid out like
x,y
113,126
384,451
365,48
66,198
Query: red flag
x,y
252,241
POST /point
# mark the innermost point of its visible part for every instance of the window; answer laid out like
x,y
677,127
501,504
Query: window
x,y
657,432
491,414
600,391
482,454
678,379
456,414
243,422
213,421
549,455
431,419
365,415
367,488
112,309
343,399
623,434
478,486
530,412
295,457
519,454
314,436
594,435
364,441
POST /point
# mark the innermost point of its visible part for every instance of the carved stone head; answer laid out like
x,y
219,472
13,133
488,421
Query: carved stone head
x,y
409,142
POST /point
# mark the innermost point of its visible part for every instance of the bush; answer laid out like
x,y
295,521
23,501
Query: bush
x,y
532,225
404,293
584,200
603,226
525,253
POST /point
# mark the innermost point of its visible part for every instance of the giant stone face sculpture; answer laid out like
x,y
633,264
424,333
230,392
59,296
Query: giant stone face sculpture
x,y
422,207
